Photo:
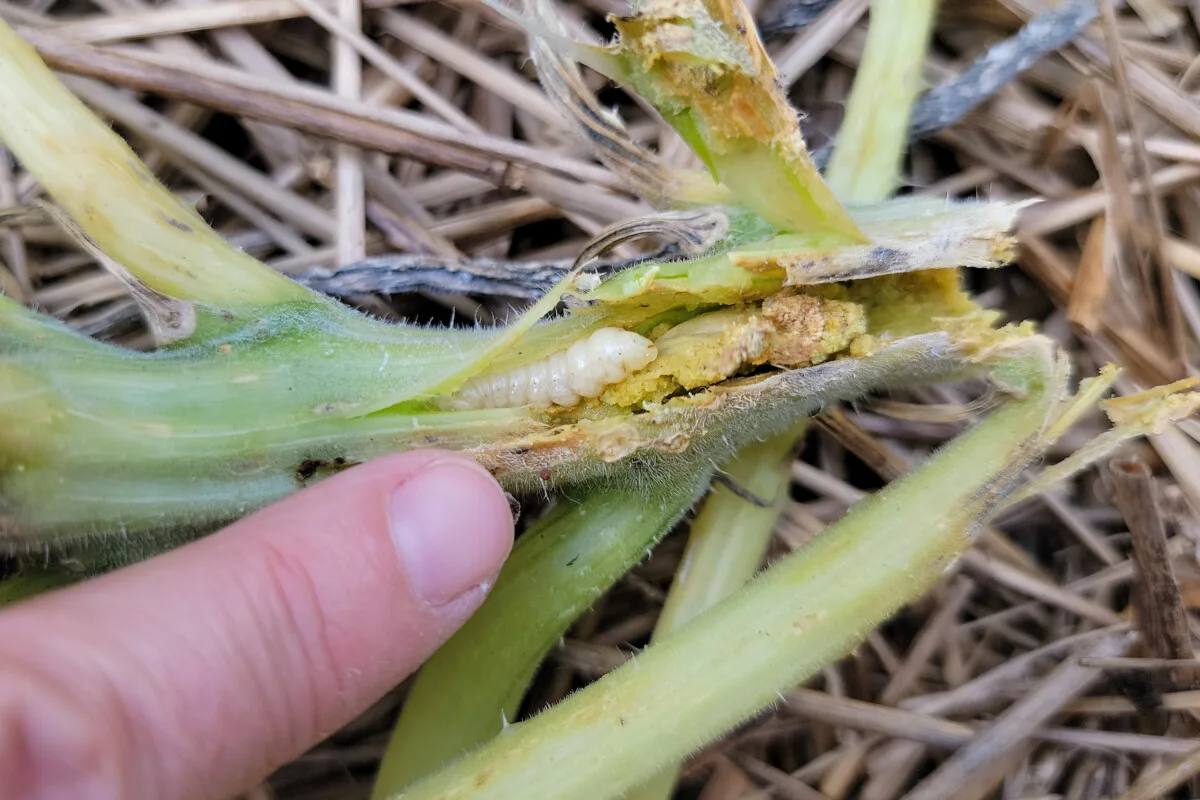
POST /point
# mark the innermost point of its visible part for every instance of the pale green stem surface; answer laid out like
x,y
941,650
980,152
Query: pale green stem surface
x,y
731,662
871,142
762,178
727,542
474,682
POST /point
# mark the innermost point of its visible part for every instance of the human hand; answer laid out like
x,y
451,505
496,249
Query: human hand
x,y
196,673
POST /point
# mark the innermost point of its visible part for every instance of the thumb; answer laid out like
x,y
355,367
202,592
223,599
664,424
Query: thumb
x,y
196,673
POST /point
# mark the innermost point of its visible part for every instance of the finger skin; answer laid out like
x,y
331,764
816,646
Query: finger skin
x,y
194,674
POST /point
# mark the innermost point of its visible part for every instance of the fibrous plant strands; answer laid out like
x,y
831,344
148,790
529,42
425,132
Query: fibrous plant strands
x,y
603,130
974,771
309,110
904,236
151,22
1161,782
460,57
939,732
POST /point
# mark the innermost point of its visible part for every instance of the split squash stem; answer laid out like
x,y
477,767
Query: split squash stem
x,y
729,538
726,545
732,661
707,71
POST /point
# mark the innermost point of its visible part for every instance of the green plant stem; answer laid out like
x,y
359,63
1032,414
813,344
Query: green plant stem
x,y
727,542
474,682
730,662
279,385
867,156
96,441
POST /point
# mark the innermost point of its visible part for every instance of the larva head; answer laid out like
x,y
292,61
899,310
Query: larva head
x,y
619,353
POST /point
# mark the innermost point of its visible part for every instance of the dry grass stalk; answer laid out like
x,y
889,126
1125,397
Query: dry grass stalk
x,y
1162,782
1161,615
972,772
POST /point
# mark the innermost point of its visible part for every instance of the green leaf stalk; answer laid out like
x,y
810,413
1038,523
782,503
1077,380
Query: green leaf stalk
x,y
870,145
467,690
727,542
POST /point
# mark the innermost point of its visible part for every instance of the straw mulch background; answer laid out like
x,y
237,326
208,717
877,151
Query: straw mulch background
x,y
989,687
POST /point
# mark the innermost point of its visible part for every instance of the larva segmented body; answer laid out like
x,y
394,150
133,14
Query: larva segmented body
x,y
585,369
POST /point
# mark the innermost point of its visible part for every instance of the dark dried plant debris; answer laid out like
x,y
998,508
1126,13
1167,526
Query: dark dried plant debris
x,y
1059,658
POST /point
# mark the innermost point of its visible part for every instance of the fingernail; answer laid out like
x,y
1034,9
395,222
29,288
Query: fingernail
x,y
453,529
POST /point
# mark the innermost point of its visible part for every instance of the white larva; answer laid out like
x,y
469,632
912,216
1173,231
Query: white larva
x,y
585,369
